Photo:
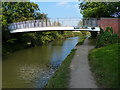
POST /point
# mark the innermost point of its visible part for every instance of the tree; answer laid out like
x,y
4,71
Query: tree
x,y
19,11
16,12
100,9
41,16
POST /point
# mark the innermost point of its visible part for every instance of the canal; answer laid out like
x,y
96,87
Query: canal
x,y
33,67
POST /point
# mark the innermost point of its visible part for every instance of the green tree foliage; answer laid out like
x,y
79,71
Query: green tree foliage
x,y
41,16
100,9
19,11
16,12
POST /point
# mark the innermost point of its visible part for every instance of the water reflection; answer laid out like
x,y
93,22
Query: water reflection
x,y
33,67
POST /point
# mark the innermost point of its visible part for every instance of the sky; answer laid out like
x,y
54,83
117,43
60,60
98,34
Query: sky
x,y
60,9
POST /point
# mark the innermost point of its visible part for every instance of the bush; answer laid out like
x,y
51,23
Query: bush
x,y
106,37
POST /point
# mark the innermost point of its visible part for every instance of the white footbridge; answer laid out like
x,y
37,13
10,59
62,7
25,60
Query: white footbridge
x,y
54,25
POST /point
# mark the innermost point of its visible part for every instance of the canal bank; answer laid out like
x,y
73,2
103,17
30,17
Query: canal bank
x,y
23,41
61,77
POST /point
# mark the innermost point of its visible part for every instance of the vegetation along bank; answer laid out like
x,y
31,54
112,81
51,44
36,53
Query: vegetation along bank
x,y
104,59
62,75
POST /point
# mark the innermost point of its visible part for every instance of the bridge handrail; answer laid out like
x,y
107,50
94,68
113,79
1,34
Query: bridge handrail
x,y
29,24
52,23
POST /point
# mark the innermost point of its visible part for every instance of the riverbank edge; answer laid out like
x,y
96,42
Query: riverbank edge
x,y
100,61
81,41
62,75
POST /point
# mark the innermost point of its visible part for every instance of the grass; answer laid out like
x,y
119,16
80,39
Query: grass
x,y
62,75
81,40
104,65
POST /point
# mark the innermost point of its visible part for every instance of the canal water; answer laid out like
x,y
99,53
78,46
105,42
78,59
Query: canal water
x,y
33,67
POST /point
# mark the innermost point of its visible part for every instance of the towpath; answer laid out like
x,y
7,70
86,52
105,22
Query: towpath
x,y
81,76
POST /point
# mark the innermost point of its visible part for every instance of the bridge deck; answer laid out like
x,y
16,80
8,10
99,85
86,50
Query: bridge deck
x,y
53,28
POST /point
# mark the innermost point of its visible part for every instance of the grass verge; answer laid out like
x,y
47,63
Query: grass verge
x,y
62,75
81,40
104,65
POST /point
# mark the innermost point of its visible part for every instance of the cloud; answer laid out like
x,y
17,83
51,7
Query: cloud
x,y
62,3
68,5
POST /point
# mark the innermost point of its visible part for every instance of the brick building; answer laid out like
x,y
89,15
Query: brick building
x,y
110,22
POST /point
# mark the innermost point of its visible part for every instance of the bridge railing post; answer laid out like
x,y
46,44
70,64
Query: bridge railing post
x,y
42,23
30,25
27,22
23,24
46,22
39,23
17,26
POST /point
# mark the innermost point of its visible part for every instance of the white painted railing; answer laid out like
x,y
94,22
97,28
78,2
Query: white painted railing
x,y
70,22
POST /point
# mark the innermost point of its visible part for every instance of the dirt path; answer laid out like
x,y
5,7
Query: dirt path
x,y
81,76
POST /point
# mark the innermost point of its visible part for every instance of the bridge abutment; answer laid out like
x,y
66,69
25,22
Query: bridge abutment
x,y
93,34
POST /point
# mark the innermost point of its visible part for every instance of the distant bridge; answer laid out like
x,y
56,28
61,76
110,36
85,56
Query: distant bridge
x,y
54,24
